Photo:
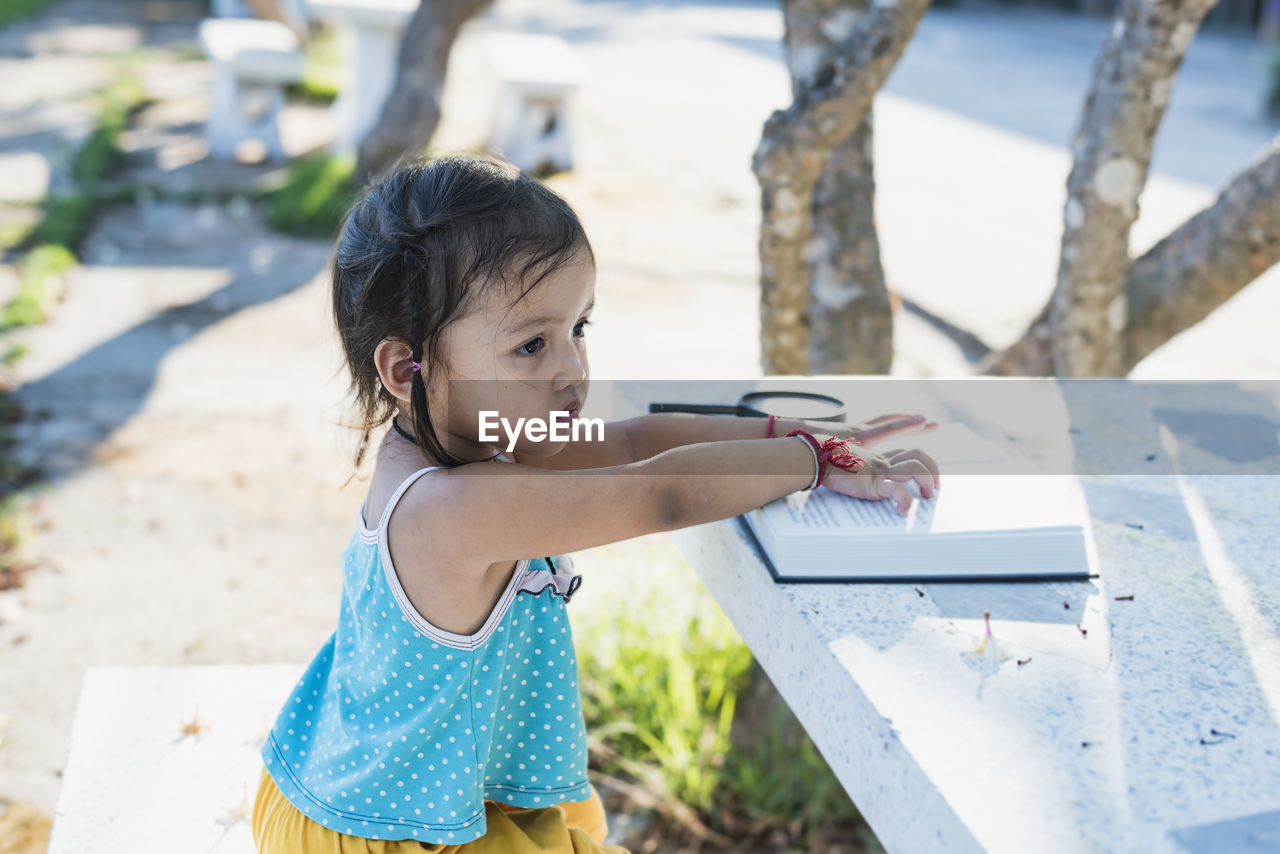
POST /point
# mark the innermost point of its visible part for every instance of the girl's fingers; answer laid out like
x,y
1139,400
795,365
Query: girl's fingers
x,y
914,469
917,454
887,424
896,492
931,464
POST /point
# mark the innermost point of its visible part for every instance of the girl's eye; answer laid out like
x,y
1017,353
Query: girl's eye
x,y
532,348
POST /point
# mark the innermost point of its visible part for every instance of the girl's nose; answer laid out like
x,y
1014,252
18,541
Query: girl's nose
x,y
572,367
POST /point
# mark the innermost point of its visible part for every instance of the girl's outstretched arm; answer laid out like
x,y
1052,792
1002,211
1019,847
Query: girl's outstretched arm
x,y
649,435
645,436
481,514
612,449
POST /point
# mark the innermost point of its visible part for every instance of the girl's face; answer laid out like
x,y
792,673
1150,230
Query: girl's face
x,y
521,361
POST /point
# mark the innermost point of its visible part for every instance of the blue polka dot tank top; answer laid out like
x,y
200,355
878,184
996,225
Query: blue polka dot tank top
x,y
401,730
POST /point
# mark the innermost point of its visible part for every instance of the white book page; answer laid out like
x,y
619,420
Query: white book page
x,y
824,513
966,504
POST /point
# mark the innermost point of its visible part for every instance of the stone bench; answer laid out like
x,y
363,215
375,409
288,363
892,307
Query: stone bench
x,y
536,75
134,781
252,61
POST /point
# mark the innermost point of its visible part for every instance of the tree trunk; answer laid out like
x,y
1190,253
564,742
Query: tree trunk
x,y
1206,260
851,325
851,328
1179,281
794,153
412,111
1132,80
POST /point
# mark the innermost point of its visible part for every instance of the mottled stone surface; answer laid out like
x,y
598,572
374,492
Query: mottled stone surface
x,y
1130,722
183,740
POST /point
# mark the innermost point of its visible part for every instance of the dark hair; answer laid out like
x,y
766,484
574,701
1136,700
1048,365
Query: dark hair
x,y
412,255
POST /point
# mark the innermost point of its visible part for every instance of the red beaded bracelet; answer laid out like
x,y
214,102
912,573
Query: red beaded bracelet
x,y
834,451
772,418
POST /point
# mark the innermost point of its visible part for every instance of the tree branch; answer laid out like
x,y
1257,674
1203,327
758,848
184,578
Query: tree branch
x,y
1206,260
412,110
795,147
1179,281
851,72
1132,79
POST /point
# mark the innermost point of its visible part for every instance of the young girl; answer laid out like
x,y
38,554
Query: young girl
x,y
443,713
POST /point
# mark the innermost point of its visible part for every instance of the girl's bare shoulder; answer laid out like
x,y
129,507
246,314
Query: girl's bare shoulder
x,y
427,491
441,573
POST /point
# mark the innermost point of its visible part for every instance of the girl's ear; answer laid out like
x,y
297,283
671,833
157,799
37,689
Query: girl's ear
x,y
394,361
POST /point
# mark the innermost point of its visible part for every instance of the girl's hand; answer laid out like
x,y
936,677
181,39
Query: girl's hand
x,y
879,429
884,476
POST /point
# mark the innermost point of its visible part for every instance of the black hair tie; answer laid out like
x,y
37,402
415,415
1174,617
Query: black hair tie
x,y
402,432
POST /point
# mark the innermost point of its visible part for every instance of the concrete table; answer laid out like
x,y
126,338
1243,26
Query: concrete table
x,y
1139,711
374,29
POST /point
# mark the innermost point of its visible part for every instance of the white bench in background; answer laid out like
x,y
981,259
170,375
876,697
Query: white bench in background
x,y
537,74
134,782
252,61
371,32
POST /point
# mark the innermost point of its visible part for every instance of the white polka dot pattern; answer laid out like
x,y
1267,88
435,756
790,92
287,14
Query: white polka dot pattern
x,y
390,734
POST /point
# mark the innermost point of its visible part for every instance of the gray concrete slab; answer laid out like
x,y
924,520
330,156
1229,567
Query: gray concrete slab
x,y
1137,711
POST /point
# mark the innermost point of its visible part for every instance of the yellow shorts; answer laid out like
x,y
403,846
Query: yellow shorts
x,y
576,827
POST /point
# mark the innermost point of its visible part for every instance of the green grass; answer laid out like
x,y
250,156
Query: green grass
x,y
115,104
13,354
17,226
67,217
315,197
65,220
664,693
1273,96
316,194
16,10
49,257
783,778
322,74
39,273
661,679
15,527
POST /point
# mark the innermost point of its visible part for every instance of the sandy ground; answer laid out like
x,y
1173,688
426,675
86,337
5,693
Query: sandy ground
x,y
187,398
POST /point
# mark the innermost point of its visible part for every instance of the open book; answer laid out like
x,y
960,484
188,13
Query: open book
x,y
977,527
